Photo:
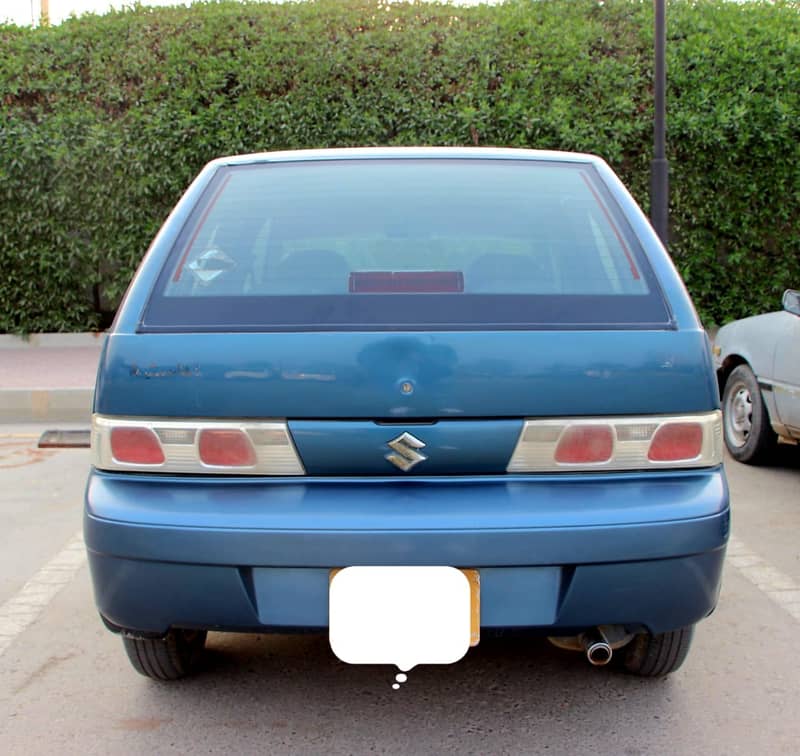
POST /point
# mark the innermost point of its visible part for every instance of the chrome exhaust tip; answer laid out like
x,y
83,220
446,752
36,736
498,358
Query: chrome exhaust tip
x,y
597,643
597,648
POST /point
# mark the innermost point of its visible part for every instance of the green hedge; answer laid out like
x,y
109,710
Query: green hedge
x,y
105,120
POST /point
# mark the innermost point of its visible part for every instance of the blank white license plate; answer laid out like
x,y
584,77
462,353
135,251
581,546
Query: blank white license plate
x,y
403,615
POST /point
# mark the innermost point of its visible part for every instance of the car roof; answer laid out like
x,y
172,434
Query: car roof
x,y
378,153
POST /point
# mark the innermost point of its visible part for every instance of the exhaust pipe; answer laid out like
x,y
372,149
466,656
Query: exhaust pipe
x,y
598,649
598,643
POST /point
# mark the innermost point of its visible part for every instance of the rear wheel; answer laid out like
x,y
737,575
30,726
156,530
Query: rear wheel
x,y
748,434
657,655
168,658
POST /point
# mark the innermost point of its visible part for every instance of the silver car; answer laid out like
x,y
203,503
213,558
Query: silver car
x,y
758,366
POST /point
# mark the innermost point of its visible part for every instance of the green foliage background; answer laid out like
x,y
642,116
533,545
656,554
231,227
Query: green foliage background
x,y
105,120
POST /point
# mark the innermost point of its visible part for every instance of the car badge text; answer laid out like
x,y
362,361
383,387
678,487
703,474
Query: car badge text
x,y
405,454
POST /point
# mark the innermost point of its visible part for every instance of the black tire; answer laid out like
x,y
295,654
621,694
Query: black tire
x,y
657,655
747,430
169,658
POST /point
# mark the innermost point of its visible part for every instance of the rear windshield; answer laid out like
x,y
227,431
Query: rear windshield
x,y
405,243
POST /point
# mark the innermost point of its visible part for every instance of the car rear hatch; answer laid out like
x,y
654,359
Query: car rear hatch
x,y
406,314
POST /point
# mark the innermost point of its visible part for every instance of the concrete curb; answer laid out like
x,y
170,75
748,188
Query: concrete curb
x,y
44,340
72,405
47,404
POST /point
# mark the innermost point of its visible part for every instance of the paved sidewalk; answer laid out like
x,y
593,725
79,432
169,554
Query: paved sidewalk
x,y
48,378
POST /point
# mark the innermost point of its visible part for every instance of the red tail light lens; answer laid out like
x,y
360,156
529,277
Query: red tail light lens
x,y
136,446
676,441
226,448
585,444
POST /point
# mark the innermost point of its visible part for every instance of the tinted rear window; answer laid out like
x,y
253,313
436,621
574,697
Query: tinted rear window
x,y
403,243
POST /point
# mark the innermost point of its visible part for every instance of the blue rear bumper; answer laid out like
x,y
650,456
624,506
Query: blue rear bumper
x,y
555,552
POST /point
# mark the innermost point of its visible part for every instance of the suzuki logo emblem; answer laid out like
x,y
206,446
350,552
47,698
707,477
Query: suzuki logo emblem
x,y
405,454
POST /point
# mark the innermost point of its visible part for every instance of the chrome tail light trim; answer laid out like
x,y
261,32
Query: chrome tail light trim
x,y
538,441
275,450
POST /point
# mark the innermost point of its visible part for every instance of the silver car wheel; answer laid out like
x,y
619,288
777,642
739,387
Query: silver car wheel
x,y
748,431
739,414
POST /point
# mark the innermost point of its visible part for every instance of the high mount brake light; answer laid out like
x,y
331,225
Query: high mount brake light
x,y
624,443
406,282
215,447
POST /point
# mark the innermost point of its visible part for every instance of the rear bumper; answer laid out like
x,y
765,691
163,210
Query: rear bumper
x,y
554,553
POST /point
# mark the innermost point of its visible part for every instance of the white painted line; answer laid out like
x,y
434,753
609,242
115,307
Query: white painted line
x,y
23,609
777,585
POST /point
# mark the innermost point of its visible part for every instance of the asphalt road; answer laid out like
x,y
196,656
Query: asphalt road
x,y
66,686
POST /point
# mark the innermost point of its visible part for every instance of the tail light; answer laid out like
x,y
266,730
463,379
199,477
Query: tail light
x,y
585,444
674,442
625,443
194,446
225,448
136,446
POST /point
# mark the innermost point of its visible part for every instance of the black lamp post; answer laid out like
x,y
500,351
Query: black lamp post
x,y
659,170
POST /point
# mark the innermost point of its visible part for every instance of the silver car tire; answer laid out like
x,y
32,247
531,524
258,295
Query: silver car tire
x,y
748,434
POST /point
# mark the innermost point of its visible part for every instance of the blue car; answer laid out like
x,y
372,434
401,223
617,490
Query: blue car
x,y
475,358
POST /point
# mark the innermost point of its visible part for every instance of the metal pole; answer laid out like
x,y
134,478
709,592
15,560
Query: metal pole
x,y
659,170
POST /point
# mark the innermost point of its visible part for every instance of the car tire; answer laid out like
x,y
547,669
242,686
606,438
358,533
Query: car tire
x,y
747,430
657,655
172,657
